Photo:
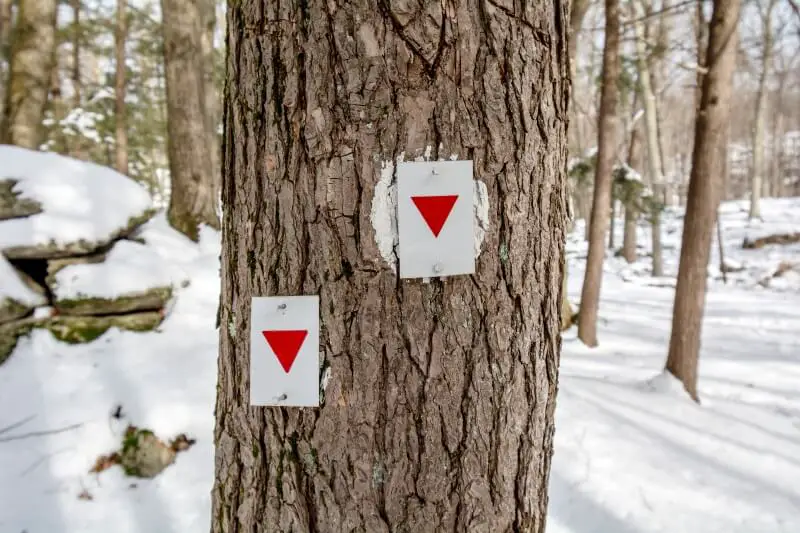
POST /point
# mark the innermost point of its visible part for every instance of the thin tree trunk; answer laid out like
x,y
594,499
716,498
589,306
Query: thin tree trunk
x,y
631,208
606,148
5,29
704,188
758,182
33,45
437,398
211,97
192,201
120,83
653,148
612,219
77,84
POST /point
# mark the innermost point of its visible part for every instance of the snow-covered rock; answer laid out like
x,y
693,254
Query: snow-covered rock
x,y
84,206
133,277
18,294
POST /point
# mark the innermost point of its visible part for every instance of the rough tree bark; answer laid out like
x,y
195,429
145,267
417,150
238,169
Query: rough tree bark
x,y
654,165
32,57
192,200
757,183
120,83
708,159
438,398
606,148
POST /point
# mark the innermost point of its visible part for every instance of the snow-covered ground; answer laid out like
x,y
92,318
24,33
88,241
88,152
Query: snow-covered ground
x,y
632,454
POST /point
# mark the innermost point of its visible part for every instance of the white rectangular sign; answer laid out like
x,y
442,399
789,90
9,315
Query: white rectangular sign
x,y
284,351
435,218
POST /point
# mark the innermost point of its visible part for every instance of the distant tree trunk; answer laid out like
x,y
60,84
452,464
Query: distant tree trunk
x,y
5,28
612,219
653,149
631,208
120,83
192,200
703,198
77,84
211,96
606,148
758,182
33,46
438,412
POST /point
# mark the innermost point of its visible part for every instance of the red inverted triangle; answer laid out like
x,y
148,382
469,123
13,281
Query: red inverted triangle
x,y
435,209
286,344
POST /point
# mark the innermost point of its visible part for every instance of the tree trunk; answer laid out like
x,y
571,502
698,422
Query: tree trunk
x,y
33,45
437,398
758,182
612,219
631,208
120,82
77,84
192,200
653,149
5,29
606,148
212,97
703,198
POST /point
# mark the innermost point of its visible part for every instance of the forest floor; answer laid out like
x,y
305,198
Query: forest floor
x,y
632,453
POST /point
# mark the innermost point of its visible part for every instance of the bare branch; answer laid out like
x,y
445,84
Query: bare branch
x,y
16,424
40,433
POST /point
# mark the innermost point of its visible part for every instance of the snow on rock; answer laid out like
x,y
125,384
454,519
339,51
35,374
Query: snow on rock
x,y
14,288
84,205
134,276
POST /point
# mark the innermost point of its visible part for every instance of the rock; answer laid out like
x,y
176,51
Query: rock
x,y
19,294
143,454
151,300
54,265
10,333
14,206
73,207
81,329
55,250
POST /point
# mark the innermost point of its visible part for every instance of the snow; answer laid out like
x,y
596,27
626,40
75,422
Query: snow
x,y
13,288
130,267
633,454
80,200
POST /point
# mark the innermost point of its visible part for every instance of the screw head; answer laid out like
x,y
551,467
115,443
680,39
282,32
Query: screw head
x,y
282,307
437,267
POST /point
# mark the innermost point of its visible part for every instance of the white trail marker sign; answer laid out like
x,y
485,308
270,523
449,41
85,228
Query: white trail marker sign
x,y
284,351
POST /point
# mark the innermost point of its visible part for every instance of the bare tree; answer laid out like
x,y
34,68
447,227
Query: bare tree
x,y
120,83
654,163
704,191
759,131
192,197
437,398
32,60
606,149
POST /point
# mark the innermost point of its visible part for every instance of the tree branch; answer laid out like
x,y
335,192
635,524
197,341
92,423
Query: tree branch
x,y
40,433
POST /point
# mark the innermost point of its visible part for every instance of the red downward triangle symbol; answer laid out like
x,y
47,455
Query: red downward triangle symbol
x,y
435,209
286,344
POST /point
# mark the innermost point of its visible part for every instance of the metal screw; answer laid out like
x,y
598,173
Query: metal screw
x,y
282,307
437,267
434,172
281,397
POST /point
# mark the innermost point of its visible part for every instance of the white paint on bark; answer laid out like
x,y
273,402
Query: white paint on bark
x,y
383,213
